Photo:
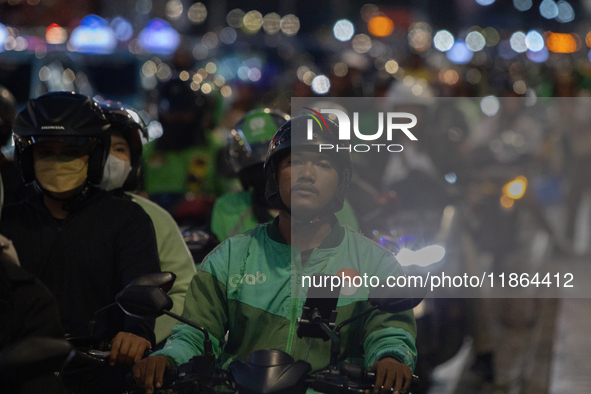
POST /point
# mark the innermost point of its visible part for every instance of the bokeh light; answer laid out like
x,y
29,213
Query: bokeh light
x,y
490,105
549,9
320,84
380,26
522,5
343,30
290,25
566,13
443,40
361,43
517,42
197,13
475,41
272,23
459,53
534,41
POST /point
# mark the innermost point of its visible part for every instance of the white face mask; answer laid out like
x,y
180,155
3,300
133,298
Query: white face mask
x,y
115,173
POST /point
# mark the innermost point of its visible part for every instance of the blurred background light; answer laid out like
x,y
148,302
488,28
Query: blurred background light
x,y
490,105
443,40
517,42
174,9
534,41
55,34
561,43
235,18
343,30
361,43
380,26
253,21
320,84
459,53
549,9
290,25
475,41
522,5
539,56
159,37
197,13
94,35
566,13
272,23
122,28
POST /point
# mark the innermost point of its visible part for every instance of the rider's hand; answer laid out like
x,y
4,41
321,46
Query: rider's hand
x,y
128,348
391,374
150,371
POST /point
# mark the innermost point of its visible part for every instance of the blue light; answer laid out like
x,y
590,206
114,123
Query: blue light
x,y
459,53
505,50
159,37
534,41
451,177
485,2
123,29
3,36
539,56
94,35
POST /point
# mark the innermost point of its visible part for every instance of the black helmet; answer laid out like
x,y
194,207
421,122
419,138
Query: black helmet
x,y
324,131
127,121
7,114
249,140
62,115
185,115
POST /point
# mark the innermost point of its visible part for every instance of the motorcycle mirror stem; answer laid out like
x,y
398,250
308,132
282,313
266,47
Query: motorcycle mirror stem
x,y
207,346
335,346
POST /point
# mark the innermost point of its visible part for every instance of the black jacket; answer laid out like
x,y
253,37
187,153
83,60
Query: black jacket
x,y
87,258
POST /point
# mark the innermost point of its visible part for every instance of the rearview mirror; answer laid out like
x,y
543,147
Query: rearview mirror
x,y
34,356
163,280
396,299
143,301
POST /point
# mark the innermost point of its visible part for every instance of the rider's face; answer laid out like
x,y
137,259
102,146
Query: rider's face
x,y
307,182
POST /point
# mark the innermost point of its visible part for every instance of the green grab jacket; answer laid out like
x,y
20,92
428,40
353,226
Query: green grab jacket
x,y
245,286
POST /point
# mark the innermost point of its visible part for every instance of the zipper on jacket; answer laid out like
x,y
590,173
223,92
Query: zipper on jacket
x,y
294,304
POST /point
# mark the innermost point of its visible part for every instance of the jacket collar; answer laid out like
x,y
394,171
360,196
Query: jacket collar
x,y
334,239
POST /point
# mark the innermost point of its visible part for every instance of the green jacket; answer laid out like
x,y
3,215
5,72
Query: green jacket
x,y
174,256
232,215
245,285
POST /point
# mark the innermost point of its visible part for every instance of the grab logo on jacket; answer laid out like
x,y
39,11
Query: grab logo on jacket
x,y
249,279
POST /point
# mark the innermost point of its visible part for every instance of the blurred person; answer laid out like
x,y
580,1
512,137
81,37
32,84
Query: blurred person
x,y
13,186
307,188
121,177
236,213
82,243
180,172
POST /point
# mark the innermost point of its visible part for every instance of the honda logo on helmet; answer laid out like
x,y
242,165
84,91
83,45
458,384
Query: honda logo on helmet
x,y
345,129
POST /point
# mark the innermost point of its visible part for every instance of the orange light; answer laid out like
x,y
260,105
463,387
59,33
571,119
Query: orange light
x,y
561,43
55,34
380,26
588,39
507,202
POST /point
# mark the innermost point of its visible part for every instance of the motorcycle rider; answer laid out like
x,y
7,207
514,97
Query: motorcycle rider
x,y
14,188
247,279
120,178
82,243
235,213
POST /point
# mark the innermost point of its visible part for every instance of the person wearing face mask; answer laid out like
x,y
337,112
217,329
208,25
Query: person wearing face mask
x,y
120,178
82,243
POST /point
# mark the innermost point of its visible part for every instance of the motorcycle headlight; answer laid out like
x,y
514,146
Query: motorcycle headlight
x,y
423,257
